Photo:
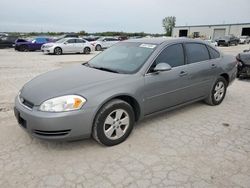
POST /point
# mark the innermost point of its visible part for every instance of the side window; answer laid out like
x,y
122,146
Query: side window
x,y
173,55
196,52
213,53
71,41
40,40
80,41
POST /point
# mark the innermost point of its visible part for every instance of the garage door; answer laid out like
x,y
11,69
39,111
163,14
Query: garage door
x,y
219,33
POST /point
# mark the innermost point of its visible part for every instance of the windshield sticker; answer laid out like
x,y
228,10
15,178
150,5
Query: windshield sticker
x,y
147,46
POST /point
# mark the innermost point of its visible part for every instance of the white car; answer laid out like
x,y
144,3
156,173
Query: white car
x,y
214,43
68,45
244,39
104,42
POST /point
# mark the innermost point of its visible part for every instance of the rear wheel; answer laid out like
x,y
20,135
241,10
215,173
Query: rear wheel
x,y
218,92
24,48
58,51
86,50
113,123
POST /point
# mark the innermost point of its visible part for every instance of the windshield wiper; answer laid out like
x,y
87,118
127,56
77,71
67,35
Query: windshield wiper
x,y
105,69
100,68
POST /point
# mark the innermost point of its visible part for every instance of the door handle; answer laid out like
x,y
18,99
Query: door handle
x,y
183,73
213,66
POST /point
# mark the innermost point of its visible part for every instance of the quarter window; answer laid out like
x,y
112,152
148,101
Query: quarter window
x,y
173,55
213,53
196,52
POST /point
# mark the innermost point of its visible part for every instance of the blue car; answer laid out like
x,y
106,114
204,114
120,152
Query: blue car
x,y
32,45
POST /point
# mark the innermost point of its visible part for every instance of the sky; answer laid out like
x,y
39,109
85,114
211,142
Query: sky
x,y
116,15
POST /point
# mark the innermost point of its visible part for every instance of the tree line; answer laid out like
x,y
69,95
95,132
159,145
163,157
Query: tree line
x,y
168,23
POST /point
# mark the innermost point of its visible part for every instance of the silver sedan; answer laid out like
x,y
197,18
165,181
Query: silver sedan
x,y
68,45
122,85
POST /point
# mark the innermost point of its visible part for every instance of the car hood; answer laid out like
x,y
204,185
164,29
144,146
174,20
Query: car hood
x,y
52,43
65,81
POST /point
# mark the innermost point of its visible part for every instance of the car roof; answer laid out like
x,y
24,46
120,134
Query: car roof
x,y
161,40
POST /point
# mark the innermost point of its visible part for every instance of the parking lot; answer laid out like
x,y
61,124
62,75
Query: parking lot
x,y
195,146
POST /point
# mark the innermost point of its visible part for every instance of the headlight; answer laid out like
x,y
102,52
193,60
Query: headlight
x,y
63,104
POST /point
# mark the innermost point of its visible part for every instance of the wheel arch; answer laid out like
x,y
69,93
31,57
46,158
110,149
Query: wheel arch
x,y
127,98
226,77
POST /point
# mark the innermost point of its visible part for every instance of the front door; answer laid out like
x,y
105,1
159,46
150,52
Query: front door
x,y
170,88
69,46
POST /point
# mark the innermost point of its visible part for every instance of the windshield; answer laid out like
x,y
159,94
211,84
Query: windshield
x,y
124,57
61,40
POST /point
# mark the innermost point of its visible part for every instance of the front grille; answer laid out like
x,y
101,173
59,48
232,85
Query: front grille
x,y
52,133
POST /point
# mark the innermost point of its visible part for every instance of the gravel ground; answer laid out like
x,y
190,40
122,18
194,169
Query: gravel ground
x,y
195,146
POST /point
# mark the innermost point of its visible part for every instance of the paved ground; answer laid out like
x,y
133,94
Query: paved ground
x,y
196,146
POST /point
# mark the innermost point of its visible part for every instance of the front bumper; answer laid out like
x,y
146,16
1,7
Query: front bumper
x,y
55,126
47,50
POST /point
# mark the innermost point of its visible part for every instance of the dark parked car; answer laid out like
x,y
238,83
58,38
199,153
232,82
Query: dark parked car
x,y
228,41
243,64
121,38
32,45
8,42
69,35
90,39
123,84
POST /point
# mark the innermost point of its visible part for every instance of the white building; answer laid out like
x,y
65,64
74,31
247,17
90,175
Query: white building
x,y
212,31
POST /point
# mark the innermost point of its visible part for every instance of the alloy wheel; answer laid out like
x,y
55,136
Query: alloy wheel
x,y
219,91
116,124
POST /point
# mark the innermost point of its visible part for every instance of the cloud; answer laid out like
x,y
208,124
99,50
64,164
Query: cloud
x,y
113,15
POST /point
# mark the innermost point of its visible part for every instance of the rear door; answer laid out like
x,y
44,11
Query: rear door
x,y
79,45
202,70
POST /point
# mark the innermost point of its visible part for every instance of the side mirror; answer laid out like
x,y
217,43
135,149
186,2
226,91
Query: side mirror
x,y
104,40
65,43
160,67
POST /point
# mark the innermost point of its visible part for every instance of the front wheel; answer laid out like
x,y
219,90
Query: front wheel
x,y
218,92
58,51
98,47
113,123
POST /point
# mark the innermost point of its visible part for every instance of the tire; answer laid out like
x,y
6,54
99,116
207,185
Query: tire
x,y
58,51
109,121
24,48
86,50
98,47
215,98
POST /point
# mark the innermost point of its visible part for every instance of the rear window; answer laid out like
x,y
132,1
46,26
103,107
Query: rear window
x,y
196,52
